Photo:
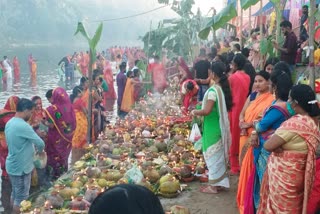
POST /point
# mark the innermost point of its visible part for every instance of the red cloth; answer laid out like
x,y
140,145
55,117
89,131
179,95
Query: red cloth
x,y
16,68
191,96
239,83
314,198
159,80
108,77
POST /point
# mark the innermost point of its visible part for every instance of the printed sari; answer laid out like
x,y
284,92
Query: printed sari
x,y
80,134
6,114
216,138
271,121
61,115
314,198
255,110
239,83
289,177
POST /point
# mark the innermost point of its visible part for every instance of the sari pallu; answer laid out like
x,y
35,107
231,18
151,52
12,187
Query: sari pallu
x,y
128,96
190,98
216,142
61,115
255,110
289,176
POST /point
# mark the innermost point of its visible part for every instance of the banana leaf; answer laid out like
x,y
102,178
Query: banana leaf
x,y
224,16
95,39
245,4
218,21
81,29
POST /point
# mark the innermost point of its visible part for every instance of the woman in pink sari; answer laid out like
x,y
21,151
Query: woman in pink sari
x,y
239,83
159,79
62,123
290,173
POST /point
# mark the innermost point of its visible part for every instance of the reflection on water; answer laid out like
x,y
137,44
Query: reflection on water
x,y
27,87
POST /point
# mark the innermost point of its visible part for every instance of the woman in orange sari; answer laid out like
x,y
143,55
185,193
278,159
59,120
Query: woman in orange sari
x,y
288,180
32,66
8,111
38,114
80,108
108,77
253,109
128,94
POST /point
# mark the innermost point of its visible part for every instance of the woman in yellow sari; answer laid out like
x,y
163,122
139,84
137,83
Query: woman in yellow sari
x,y
290,170
128,94
253,109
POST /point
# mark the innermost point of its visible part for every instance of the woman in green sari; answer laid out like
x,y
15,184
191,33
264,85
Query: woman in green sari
x,y
216,130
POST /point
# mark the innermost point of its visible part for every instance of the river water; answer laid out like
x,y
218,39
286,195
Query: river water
x,y
47,78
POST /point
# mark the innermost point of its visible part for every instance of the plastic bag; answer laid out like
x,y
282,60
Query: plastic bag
x,y
195,134
134,175
40,161
198,145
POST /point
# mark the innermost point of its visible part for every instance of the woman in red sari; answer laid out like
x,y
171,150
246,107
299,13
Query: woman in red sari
x,y
189,91
290,173
108,77
239,83
38,114
8,111
62,123
16,68
159,79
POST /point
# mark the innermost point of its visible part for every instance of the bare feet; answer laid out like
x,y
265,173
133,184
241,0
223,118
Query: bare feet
x,y
209,189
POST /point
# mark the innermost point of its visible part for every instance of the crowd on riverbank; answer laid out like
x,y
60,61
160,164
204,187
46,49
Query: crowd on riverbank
x,y
259,124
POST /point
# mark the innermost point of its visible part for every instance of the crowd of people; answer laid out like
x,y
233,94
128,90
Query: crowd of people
x,y
255,122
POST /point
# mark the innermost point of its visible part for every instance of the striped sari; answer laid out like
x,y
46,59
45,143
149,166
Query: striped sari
x,y
289,176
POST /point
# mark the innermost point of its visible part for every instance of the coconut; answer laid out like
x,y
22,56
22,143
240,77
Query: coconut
x,y
105,148
170,186
165,169
55,200
161,146
165,178
185,171
113,175
102,182
186,156
78,165
200,169
151,174
153,149
76,184
67,193
93,172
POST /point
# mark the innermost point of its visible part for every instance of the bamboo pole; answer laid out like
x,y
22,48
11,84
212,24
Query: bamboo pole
x,y
89,116
241,26
249,27
311,43
261,35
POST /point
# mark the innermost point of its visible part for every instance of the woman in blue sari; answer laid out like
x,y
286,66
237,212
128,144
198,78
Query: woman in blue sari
x,y
274,116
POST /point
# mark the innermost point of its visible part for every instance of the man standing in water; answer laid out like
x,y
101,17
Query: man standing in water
x,y
21,140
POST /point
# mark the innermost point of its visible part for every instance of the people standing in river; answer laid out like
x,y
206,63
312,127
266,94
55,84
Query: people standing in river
x,y
22,142
62,123
16,68
69,67
8,68
32,66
